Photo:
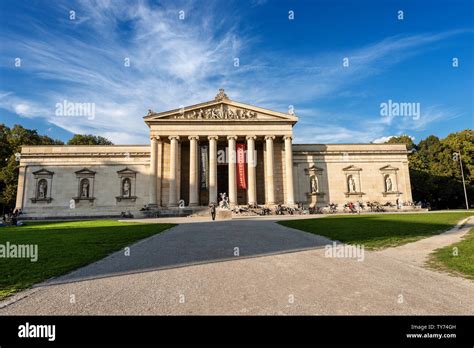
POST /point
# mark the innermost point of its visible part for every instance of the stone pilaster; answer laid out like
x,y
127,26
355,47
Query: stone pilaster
x,y
21,187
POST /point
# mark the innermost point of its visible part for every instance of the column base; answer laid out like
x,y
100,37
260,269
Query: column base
x,y
193,204
152,205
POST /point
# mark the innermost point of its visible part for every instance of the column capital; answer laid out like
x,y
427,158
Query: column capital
x,y
232,137
213,137
267,137
176,137
250,137
193,137
155,137
287,137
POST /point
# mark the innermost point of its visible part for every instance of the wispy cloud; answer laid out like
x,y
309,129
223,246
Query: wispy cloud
x,y
384,139
176,62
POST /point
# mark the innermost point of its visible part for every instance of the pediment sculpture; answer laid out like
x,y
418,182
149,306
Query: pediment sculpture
x,y
222,112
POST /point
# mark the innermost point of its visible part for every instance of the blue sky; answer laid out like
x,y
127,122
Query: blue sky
x,y
282,62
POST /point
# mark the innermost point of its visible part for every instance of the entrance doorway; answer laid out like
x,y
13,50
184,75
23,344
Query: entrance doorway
x,y
222,180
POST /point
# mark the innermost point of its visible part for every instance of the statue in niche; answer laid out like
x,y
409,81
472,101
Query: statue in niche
x,y
84,188
388,184
126,188
352,184
42,189
314,184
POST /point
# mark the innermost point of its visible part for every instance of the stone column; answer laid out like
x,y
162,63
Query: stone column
x,y
213,169
153,171
251,170
173,199
193,171
232,159
290,192
159,171
269,170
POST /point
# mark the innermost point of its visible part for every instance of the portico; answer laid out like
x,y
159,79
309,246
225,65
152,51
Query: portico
x,y
186,161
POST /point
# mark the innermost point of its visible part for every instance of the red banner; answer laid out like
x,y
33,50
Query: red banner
x,y
241,181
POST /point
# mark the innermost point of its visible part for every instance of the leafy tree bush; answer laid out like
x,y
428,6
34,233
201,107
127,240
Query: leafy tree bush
x,y
88,139
11,140
435,176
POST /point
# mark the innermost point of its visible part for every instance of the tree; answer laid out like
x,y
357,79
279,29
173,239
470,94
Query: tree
x,y
88,139
435,176
11,141
402,139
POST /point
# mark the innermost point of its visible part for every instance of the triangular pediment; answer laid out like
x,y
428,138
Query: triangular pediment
x,y
43,171
388,168
84,171
313,168
220,110
126,171
351,168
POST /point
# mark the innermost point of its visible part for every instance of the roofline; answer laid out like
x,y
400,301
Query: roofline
x,y
332,144
82,145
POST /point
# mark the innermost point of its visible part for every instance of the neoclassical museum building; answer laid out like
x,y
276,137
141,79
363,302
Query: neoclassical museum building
x,y
198,152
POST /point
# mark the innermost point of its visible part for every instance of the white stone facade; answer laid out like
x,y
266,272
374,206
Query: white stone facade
x,y
183,162
333,166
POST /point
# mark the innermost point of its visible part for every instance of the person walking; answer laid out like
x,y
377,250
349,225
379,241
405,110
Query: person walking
x,y
213,211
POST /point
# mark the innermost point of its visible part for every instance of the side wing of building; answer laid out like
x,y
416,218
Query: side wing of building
x,y
57,181
343,173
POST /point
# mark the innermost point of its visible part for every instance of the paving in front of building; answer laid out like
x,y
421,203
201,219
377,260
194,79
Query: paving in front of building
x,y
250,266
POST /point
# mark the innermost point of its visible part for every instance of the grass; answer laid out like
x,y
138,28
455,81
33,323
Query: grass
x,y
379,231
63,247
462,263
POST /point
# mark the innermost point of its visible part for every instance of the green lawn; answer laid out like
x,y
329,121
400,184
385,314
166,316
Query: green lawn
x,y
379,231
65,246
462,263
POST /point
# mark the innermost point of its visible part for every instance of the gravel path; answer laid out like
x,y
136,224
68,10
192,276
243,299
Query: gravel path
x,y
192,269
